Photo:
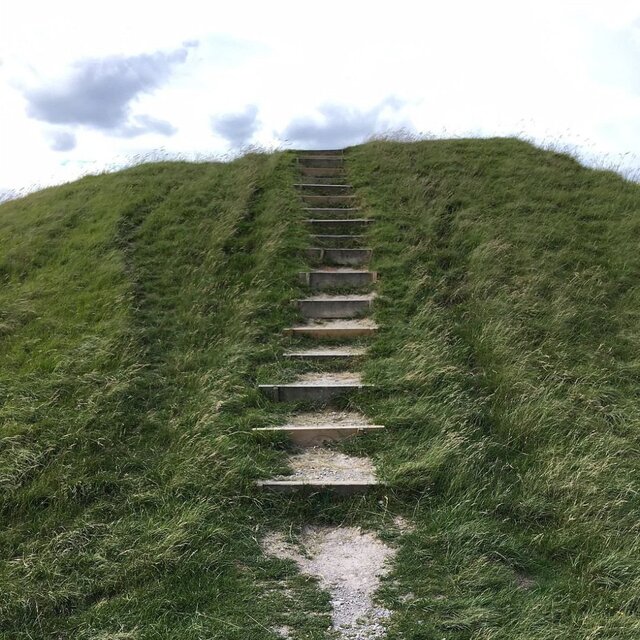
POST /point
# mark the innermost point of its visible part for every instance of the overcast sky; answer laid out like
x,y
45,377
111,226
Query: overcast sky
x,y
84,86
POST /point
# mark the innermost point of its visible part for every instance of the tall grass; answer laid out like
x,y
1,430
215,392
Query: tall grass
x,y
139,309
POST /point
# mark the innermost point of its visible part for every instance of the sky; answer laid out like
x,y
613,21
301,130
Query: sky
x,y
86,87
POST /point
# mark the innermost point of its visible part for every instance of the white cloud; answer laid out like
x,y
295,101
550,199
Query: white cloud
x,y
546,70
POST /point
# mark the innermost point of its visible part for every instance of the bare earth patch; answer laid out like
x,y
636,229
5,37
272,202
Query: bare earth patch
x,y
318,465
349,564
339,377
327,417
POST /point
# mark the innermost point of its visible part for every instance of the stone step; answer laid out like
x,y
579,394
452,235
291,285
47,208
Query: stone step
x,y
327,189
324,306
321,162
328,200
314,387
338,241
341,257
322,469
327,224
326,354
337,278
322,172
334,329
318,428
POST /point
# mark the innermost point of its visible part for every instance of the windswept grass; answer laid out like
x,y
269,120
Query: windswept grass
x,y
511,374
139,309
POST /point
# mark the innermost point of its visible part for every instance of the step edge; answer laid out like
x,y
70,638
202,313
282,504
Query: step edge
x,y
328,427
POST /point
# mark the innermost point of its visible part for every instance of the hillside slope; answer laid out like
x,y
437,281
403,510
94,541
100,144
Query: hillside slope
x,y
139,309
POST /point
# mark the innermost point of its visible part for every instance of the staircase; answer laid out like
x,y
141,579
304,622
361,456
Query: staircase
x,y
333,313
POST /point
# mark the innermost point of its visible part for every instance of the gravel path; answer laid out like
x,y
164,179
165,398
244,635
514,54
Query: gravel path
x,y
349,564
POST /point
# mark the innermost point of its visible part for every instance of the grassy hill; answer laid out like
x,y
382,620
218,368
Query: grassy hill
x,y
139,309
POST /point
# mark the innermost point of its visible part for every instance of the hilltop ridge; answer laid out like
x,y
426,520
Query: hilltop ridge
x,y
140,311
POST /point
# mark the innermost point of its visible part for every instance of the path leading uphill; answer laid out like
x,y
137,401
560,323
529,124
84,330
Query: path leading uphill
x,y
331,336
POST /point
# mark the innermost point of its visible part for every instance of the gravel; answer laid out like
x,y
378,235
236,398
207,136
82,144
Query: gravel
x,y
342,377
327,418
349,564
324,465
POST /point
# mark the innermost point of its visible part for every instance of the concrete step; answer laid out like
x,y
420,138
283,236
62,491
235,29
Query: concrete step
x,y
322,172
314,387
329,224
334,329
341,257
338,241
317,428
327,354
322,469
337,278
328,200
326,189
324,306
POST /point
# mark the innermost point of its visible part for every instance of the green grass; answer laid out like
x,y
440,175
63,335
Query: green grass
x,y
138,310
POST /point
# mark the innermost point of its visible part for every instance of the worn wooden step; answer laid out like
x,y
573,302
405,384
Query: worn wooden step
x,y
322,172
339,256
321,162
331,213
334,329
338,241
317,428
338,224
325,306
328,200
338,487
326,354
317,469
316,436
319,152
314,387
337,278
324,189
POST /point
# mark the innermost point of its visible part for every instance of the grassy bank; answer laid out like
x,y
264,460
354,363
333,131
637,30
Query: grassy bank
x,y
139,309
511,376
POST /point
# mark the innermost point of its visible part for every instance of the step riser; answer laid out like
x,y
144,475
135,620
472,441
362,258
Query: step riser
x,y
332,241
339,257
332,213
316,437
329,189
322,163
337,280
334,309
299,487
319,152
346,226
307,393
332,334
321,357
322,172
339,180
329,200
